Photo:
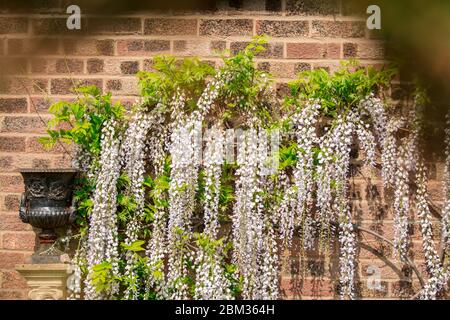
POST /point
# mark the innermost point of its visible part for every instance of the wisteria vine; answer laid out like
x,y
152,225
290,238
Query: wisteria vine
x,y
168,213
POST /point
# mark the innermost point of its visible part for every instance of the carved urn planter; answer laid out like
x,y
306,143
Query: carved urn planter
x,y
47,204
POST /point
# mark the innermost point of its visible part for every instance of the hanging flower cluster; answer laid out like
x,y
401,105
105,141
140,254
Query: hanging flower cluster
x,y
213,161
254,246
339,143
401,206
299,197
398,159
423,212
185,150
102,243
134,162
439,274
211,282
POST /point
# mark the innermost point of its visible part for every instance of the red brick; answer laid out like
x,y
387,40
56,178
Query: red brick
x,y
148,65
30,124
329,66
370,50
10,183
66,86
95,65
435,191
11,202
280,69
279,28
39,65
360,190
12,222
7,163
295,288
375,250
48,46
312,7
273,49
88,47
366,292
196,48
13,66
12,105
226,27
350,50
170,27
19,85
129,67
375,34
19,241
8,260
310,267
34,146
313,50
416,252
12,280
37,163
416,233
142,47
114,85
404,289
12,295
117,26
218,45
336,29
12,144
388,270
69,66
125,86
56,26
41,104
64,161
13,25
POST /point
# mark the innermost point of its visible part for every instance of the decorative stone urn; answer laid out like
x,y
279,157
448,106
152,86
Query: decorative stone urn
x,y
47,204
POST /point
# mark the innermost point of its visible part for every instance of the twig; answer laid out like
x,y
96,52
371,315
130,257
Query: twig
x,y
379,236
408,260
39,115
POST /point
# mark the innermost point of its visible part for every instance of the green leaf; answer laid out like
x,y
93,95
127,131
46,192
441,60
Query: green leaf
x,y
136,246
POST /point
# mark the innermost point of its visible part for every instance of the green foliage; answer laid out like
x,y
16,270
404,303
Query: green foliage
x,y
136,246
341,90
244,93
220,248
82,196
188,75
81,121
102,276
287,156
226,191
246,89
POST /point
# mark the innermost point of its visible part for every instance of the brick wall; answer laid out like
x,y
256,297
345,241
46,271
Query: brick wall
x,y
41,60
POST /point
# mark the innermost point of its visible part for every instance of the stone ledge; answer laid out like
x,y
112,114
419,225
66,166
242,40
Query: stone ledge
x,y
46,281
